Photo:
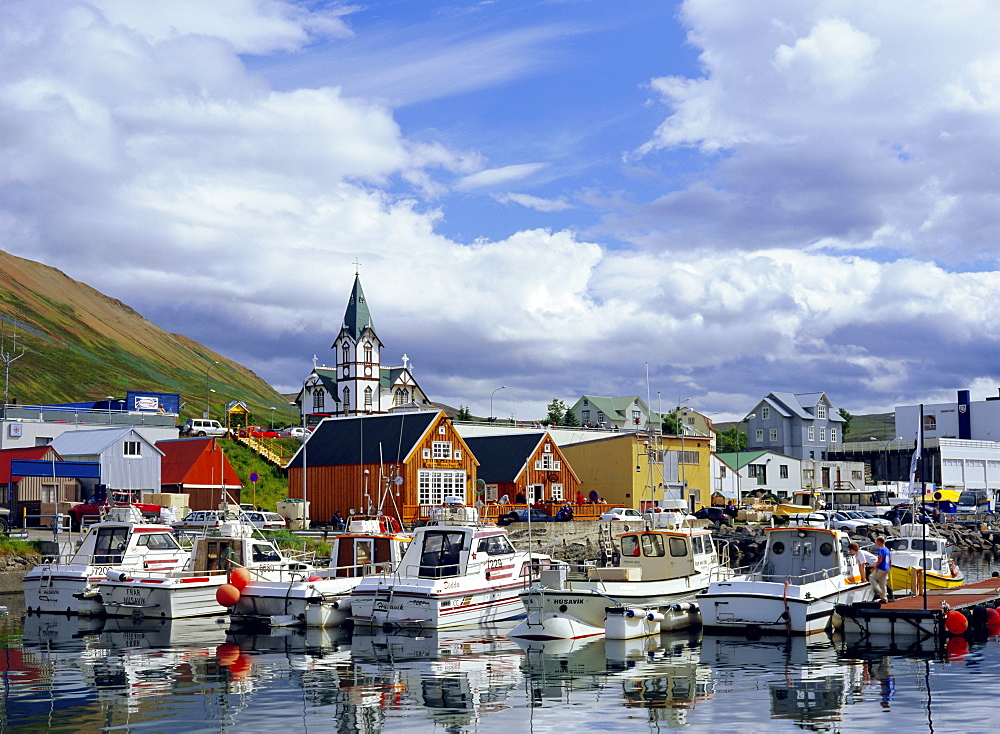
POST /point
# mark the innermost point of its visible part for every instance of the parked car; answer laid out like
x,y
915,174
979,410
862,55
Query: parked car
x,y
535,514
295,432
840,521
715,514
266,520
200,519
621,513
869,518
4,520
203,427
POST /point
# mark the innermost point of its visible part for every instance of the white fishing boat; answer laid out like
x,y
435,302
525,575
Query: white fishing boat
x,y
658,572
455,571
121,541
805,571
367,547
192,591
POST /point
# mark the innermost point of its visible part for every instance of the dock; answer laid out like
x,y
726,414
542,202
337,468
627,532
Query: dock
x,y
910,618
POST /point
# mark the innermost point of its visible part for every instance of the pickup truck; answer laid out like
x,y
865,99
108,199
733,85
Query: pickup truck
x,y
90,511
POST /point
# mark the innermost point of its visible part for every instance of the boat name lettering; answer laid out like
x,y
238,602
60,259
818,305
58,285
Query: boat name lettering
x,y
451,584
497,563
132,596
420,603
567,601
381,606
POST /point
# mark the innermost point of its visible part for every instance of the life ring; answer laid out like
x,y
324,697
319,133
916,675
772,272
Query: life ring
x,y
389,524
553,477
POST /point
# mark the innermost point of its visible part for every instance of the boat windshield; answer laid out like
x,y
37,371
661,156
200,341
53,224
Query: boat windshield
x,y
158,541
110,544
440,553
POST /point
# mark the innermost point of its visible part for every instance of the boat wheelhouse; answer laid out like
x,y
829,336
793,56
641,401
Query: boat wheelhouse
x,y
920,547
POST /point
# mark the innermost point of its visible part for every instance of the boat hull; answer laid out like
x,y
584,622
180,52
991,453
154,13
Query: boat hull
x,y
435,607
322,603
900,578
768,606
59,588
163,597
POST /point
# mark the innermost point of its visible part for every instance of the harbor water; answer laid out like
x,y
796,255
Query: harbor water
x,y
63,674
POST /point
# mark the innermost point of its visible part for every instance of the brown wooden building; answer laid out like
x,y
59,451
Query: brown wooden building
x,y
35,495
529,465
403,464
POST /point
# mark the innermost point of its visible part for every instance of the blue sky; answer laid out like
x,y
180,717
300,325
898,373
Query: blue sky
x,y
556,196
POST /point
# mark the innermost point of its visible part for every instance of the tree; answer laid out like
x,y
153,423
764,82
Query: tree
x,y
672,424
570,419
463,413
732,439
557,411
847,423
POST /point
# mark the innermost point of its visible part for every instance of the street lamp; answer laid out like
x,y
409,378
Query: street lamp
x,y
207,407
885,451
272,417
502,387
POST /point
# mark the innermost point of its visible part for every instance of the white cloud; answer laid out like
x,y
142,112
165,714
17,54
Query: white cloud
x,y
534,202
495,176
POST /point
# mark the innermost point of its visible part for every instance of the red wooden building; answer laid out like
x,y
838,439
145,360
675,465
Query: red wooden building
x,y
199,468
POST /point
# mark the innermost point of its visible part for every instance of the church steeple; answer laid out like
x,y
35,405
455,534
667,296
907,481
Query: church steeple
x,y
357,318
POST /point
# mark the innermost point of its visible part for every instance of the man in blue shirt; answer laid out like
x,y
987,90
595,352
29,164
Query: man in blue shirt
x,y
879,576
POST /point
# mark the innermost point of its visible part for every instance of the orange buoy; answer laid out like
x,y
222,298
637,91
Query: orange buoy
x,y
240,667
239,577
227,653
992,621
314,577
957,648
956,622
227,595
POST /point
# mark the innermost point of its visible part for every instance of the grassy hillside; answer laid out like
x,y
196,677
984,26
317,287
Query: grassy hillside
x,y
81,345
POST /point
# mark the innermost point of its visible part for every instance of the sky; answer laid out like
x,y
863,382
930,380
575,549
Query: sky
x,y
700,202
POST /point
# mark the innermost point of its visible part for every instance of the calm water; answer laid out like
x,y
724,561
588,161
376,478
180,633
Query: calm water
x,y
199,676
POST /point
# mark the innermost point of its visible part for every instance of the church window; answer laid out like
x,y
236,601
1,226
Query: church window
x,y
347,354
368,352
368,397
319,401
401,396
347,399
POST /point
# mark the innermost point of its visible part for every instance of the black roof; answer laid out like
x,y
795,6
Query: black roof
x,y
501,458
365,439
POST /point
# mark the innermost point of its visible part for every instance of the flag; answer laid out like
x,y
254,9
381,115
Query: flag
x,y
914,460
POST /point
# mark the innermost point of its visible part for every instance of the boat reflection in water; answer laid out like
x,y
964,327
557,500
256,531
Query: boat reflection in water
x,y
455,676
811,685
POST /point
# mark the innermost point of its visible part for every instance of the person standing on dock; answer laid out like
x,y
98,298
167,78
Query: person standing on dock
x,y
865,559
881,573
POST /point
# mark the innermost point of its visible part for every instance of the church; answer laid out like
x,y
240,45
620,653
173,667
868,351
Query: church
x,y
358,383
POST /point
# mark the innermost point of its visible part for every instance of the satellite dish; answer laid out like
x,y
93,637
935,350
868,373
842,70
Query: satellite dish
x,y
351,511
398,481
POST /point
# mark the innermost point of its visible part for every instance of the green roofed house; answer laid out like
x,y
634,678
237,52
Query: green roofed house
x,y
358,383
628,413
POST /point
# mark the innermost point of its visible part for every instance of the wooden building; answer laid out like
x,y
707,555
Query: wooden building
x,y
35,495
402,463
529,464
199,468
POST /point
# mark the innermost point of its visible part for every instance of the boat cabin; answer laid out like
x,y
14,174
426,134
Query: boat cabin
x,y
913,549
223,553
657,554
805,554
363,554
439,551
115,544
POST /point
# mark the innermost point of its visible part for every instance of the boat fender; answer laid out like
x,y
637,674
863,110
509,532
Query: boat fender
x,y
630,613
655,617
118,576
335,605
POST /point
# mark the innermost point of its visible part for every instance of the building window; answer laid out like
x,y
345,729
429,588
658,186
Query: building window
x,y
50,493
722,471
319,401
765,413
688,457
833,435
856,475
347,354
400,396
822,434
547,449
347,399
821,410
586,416
441,449
783,471
636,416
368,398
930,422
433,485
759,435
132,448
556,492
600,417
368,352
774,434
811,434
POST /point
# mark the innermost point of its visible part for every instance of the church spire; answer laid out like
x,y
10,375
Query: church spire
x,y
357,318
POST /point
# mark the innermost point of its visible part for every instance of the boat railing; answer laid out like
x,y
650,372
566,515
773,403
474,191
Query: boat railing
x,y
357,570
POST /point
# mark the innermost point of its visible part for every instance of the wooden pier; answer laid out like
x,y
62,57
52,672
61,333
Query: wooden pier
x,y
912,618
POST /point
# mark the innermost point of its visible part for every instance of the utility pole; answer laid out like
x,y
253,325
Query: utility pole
x,y
8,357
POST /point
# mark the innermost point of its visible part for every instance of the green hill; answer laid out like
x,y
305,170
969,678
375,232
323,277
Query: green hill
x,y
82,345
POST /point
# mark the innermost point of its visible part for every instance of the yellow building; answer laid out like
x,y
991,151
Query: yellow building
x,y
632,469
